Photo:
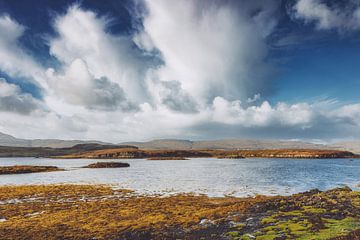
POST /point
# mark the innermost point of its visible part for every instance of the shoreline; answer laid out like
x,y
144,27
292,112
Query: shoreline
x,y
129,153
98,151
98,211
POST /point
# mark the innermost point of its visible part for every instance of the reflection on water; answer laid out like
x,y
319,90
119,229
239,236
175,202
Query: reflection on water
x,y
215,177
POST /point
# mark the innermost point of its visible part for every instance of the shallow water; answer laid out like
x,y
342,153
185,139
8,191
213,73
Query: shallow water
x,y
214,177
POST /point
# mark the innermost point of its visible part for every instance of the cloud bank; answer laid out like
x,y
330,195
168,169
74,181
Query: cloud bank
x,y
190,69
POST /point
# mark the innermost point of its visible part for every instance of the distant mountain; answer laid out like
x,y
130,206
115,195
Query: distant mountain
x,y
353,146
8,151
227,144
179,144
8,140
163,144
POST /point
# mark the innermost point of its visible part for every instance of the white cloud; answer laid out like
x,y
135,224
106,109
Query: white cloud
x,y
263,115
13,58
79,87
200,73
327,16
12,99
211,49
84,35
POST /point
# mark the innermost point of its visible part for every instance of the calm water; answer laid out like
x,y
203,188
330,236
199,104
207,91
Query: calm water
x,y
215,177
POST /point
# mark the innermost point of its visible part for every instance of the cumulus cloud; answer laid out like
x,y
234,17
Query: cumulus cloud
x,y
79,87
13,100
211,48
343,17
84,35
263,115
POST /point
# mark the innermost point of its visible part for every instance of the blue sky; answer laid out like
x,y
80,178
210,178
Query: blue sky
x,y
137,70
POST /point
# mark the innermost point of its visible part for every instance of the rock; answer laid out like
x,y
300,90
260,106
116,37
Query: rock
x,y
251,236
206,223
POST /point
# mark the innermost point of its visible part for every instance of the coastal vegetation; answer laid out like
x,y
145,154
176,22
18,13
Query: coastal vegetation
x,y
100,212
19,169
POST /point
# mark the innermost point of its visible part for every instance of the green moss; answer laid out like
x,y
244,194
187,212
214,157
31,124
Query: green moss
x,y
233,235
302,229
240,226
269,219
266,237
333,228
314,210
288,228
297,213
245,237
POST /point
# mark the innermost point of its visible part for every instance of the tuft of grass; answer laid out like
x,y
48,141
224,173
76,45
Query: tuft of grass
x,y
270,219
314,210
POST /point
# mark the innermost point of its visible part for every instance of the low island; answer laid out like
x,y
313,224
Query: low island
x,y
108,165
20,169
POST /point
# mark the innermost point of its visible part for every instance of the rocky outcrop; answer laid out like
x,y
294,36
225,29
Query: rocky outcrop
x,y
108,165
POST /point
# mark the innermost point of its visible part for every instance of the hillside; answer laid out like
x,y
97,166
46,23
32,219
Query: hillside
x,y
229,144
8,140
6,151
179,144
353,146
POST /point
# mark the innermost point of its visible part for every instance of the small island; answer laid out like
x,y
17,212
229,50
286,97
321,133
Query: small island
x,y
20,169
108,165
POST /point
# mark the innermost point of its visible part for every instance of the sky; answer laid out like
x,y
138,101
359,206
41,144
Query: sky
x,y
137,70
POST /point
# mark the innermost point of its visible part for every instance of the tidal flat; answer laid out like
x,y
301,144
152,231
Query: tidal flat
x,y
102,212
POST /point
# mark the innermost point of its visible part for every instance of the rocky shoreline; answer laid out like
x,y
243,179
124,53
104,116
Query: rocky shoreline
x,y
100,212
